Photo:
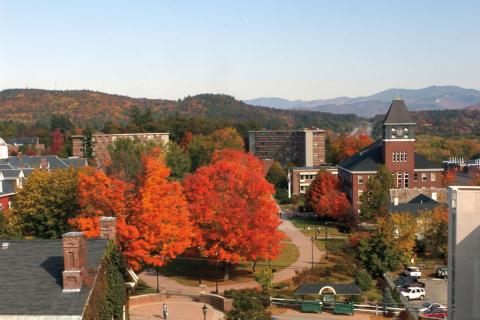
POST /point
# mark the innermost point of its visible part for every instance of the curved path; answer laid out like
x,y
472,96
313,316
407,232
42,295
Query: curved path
x,y
304,261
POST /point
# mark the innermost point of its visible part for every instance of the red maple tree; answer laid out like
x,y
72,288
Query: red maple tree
x,y
57,141
233,208
153,221
325,197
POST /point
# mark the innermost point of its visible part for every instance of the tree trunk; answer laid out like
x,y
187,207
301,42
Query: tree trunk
x,y
254,264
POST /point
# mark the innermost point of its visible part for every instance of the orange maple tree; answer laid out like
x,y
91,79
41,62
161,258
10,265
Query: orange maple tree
x,y
153,223
325,197
448,177
233,208
346,146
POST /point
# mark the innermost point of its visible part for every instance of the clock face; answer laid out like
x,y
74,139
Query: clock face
x,y
399,132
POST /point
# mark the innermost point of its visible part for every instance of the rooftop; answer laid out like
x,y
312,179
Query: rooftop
x,y
398,113
31,281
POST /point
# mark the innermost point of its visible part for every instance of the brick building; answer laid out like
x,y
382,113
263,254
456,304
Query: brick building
x,y
396,149
102,141
300,178
303,147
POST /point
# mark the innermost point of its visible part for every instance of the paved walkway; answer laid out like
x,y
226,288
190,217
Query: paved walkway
x,y
295,315
180,308
303,243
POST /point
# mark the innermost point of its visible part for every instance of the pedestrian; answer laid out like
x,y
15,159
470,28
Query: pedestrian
x,y
165,311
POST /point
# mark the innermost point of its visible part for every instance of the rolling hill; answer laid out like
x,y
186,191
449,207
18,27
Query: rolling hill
x,y
97,108
430,98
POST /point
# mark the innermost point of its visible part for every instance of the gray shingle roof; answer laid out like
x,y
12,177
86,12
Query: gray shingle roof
x,y
34,162
340,288
8,187
31,278
372,156
415,206
11,173
5,166
75,162
398,113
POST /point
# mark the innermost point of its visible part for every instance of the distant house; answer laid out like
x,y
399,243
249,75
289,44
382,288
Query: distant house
x,y
14,144
415,206
14,171
53,279
300,178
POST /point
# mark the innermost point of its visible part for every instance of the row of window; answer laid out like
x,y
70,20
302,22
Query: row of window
x,y
424,177
399,156
307,177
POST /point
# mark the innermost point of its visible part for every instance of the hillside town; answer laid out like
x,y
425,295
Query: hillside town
x,y
239,160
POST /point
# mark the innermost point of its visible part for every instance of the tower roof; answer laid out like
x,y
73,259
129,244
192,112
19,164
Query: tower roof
x,y
398,113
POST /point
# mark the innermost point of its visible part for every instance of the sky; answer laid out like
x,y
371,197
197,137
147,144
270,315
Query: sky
x,y
248,49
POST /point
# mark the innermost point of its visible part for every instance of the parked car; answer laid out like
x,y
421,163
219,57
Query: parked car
x,y
429,307
413,293
436,315
407,281
413,272
442,272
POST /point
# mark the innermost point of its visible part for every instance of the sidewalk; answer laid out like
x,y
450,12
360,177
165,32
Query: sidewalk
x,y
295,315
180,308
304,261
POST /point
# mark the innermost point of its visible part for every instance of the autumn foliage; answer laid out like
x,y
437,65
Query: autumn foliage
x,y
233,209
325,197
343,146
448,177
153,222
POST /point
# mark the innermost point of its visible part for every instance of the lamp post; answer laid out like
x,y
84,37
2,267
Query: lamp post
x,y
312,252
158,289
269,250
326,240
216,272
199,265
204,310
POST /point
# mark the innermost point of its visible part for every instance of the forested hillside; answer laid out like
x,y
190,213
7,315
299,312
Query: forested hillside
x,y
95,108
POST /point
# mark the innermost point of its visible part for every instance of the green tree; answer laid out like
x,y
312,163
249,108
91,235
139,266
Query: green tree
x,y
276,176
46,202
200,150
265,278
7,226
375,199
126,159
88,146
177,160
378,255
364,280
247,306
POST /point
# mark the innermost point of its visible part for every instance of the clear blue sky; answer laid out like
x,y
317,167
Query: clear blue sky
x,y
291,49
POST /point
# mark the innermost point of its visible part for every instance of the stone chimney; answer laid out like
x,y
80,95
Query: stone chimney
x,y
74,258
108,228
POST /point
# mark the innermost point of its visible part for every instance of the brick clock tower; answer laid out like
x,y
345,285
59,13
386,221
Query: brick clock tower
x,y
398,137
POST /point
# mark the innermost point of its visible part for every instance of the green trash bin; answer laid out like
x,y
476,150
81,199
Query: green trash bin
x,y
312,306
343,308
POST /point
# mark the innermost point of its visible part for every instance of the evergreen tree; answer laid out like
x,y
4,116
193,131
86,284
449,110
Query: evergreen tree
x,y
375,199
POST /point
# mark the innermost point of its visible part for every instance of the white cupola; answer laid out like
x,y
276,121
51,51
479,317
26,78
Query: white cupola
x,y
3,149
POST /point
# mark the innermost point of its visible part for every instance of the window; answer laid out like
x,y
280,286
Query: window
x,y
415,176
405,156
405,180
360,179
394,156
433,176
424,177
399,180
360,192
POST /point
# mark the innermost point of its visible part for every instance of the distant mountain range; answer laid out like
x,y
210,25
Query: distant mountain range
x,y
430,98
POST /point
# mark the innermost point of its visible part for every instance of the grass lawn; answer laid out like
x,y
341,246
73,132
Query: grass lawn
x,y
143,288
187,271
304,223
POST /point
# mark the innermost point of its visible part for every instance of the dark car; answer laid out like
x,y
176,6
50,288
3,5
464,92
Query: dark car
x,y
442,272
408,281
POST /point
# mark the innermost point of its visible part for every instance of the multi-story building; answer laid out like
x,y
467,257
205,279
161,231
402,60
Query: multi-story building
x,y
102,142
396,150
303,147
300,178
463,253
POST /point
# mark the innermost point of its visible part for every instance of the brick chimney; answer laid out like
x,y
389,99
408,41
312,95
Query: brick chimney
x,y
74,258
108,228
43,163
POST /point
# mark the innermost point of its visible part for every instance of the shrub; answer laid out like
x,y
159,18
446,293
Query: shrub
x,y
364,280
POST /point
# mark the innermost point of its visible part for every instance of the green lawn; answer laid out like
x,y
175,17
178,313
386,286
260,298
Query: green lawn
x,y
308,226
187,271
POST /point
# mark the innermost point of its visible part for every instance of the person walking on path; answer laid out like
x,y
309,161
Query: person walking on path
x,y
165,311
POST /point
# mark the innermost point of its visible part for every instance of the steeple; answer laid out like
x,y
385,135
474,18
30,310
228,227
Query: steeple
x,y
398,113
398,124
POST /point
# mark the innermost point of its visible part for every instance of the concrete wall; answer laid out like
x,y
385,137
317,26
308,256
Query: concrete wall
x,y
464,253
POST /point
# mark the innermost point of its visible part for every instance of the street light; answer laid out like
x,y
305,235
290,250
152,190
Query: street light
x,y
204,310
199,265
269,250
216,272
312,251
326,240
